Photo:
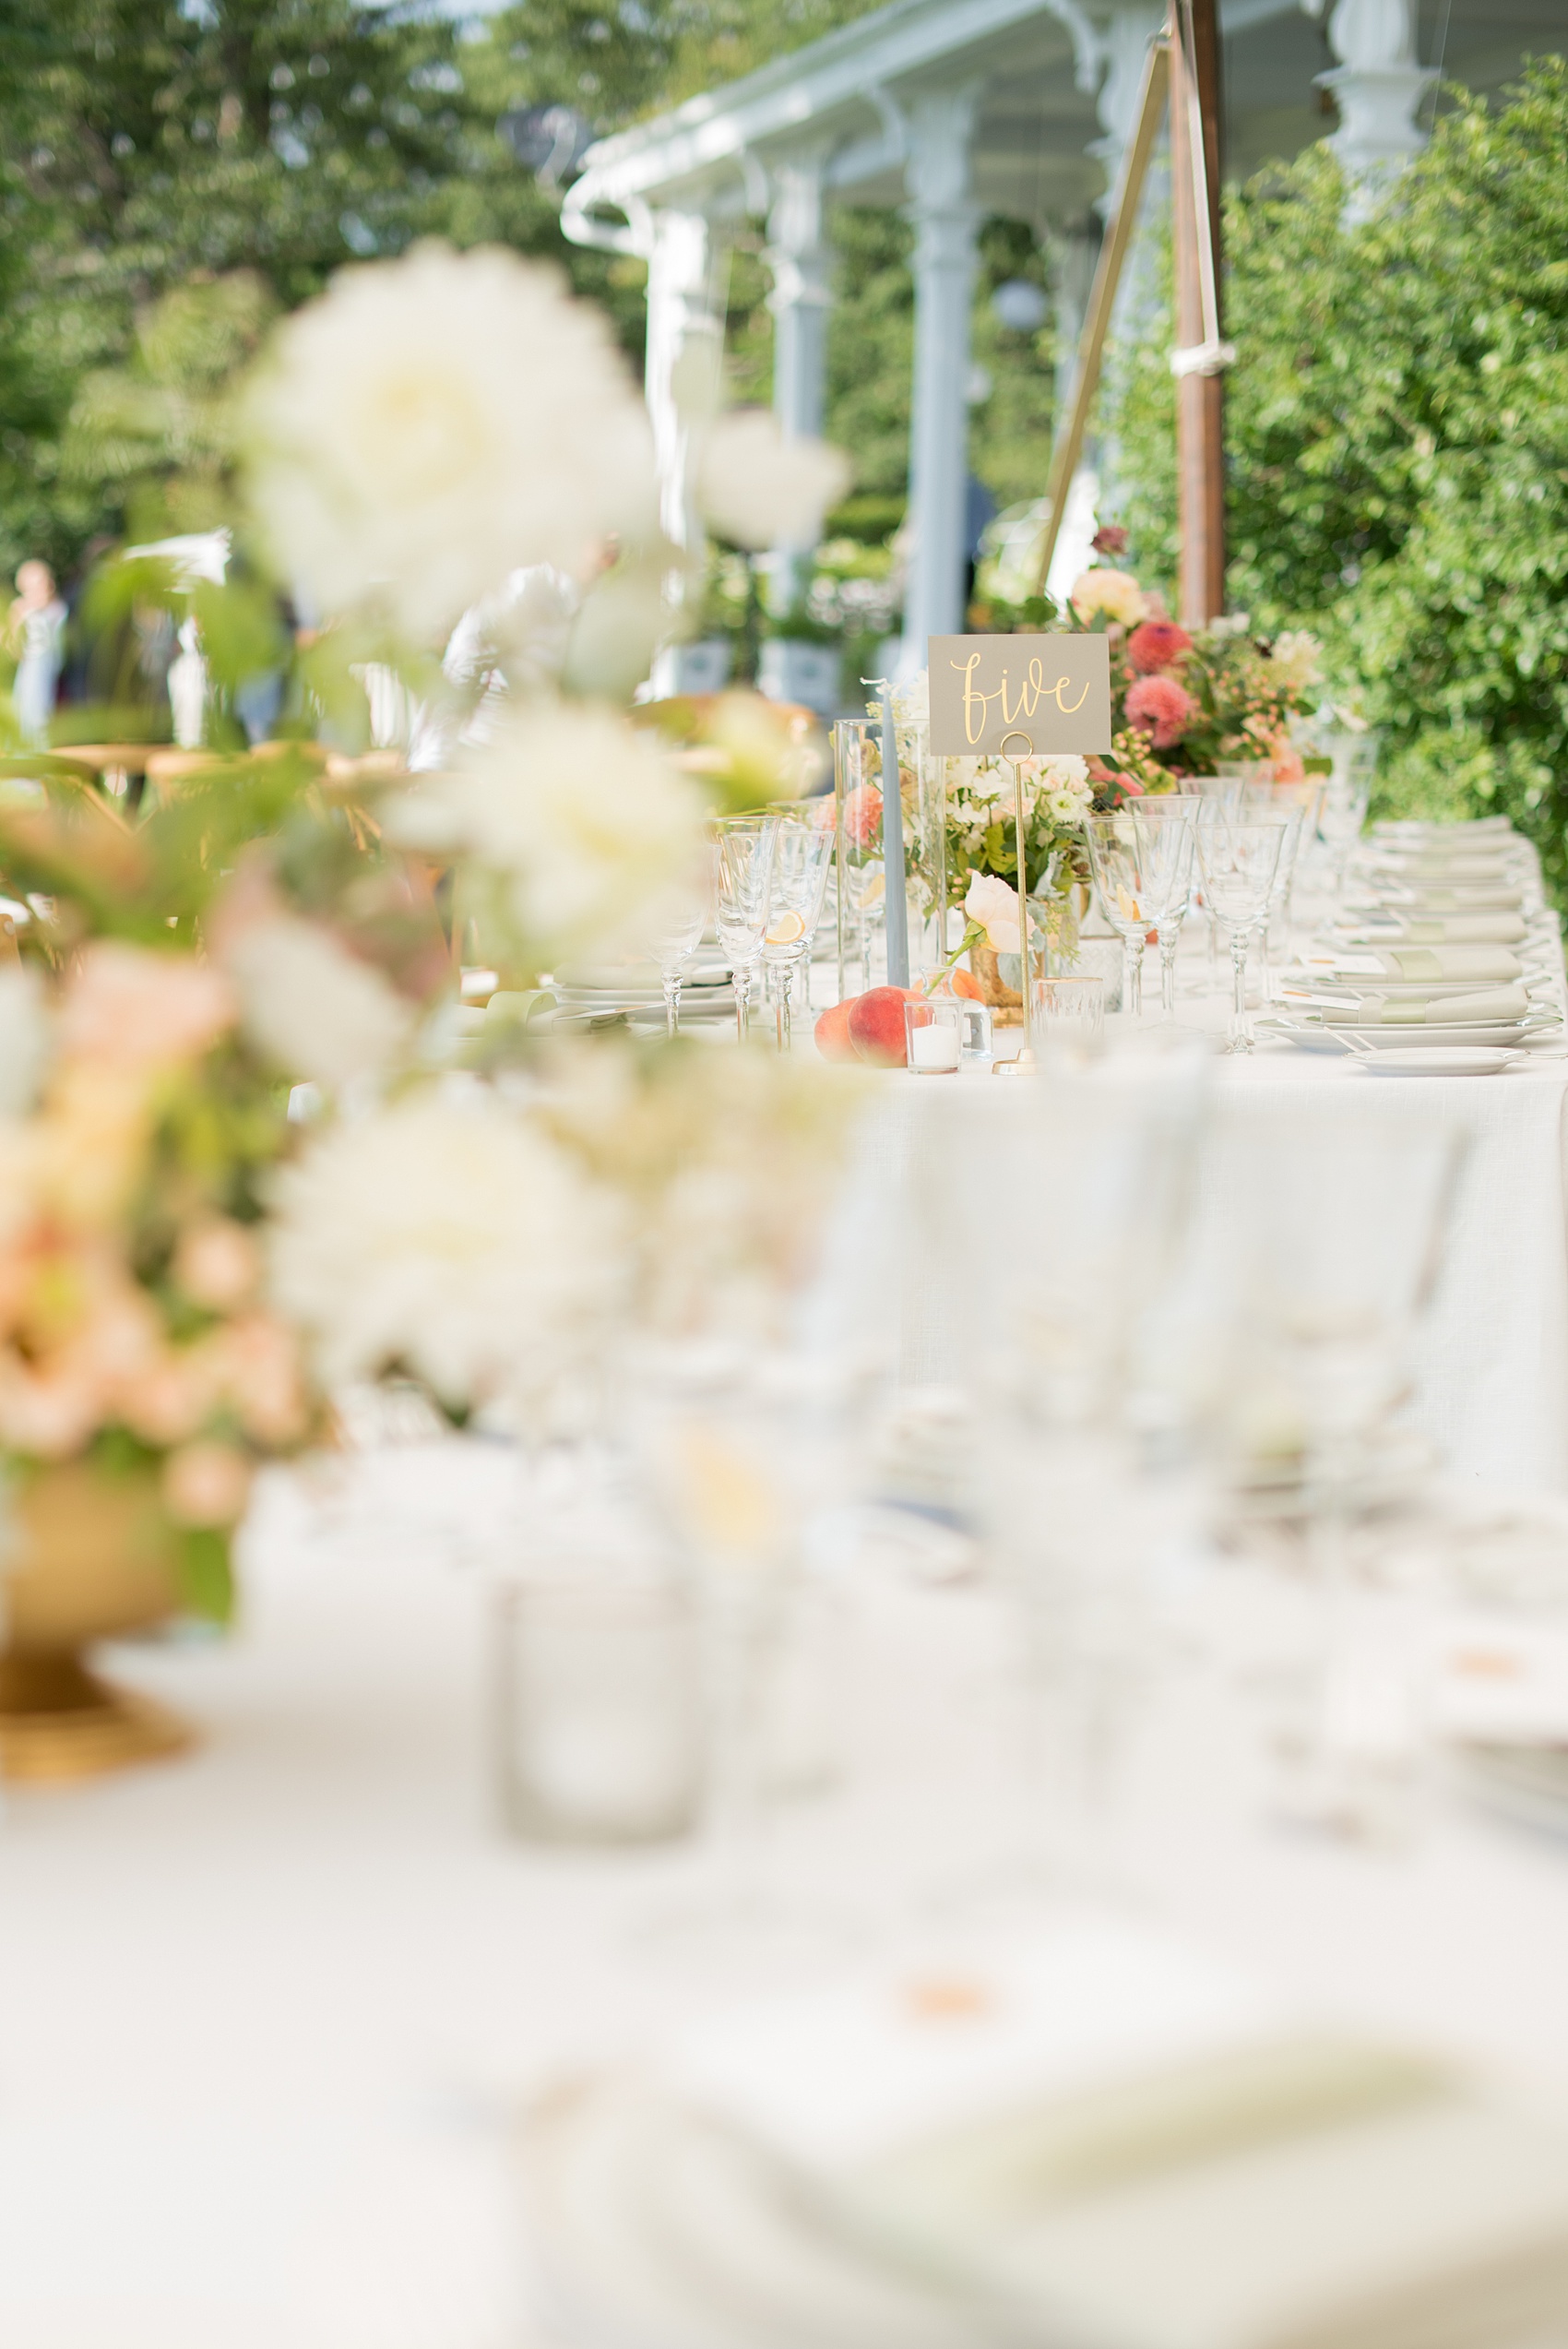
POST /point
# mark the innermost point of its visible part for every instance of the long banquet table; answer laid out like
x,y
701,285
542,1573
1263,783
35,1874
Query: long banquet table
x,y
269,2016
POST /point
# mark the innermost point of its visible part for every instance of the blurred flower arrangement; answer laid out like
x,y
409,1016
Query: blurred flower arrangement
x,y
188,1270
136,1335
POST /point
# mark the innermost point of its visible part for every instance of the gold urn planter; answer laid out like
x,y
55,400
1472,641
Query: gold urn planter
x,y
92,1554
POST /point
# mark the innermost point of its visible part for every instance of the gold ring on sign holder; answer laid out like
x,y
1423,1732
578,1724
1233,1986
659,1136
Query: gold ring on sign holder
x,y
1013,757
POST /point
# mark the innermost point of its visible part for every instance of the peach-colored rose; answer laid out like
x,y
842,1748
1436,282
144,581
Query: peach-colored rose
x,y
217,1263
262,1377
90,1143
168,1401
50,1412
129,1004
1116,593
206,1483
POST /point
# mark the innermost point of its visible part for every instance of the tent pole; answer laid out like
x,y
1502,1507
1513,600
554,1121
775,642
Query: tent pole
x,y
1201,355
1102,295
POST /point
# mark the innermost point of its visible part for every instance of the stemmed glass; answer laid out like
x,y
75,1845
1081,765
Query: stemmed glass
x,y
1138,877
1166,825
1238,861
1338,1240
743,872
1260,805
802,852
1343,813
673,944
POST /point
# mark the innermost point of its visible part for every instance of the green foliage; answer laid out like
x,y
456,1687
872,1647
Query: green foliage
x,y
147,150
1397,430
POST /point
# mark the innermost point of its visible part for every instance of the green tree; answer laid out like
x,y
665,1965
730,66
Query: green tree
x,y
1398,446
147,145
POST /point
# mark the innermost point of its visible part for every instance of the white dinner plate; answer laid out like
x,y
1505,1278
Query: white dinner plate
x,y
1318,1037
1525,1783
1443,1060
653,2229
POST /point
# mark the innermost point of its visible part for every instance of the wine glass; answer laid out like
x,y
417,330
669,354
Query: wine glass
x,y
743,869
1335,1228
1165,825
673,944
802,853
1137,876
1238,861
1259,806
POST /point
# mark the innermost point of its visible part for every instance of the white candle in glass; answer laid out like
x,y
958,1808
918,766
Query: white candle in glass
x,y
933,1050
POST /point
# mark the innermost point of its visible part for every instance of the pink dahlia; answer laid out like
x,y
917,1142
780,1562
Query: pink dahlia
x,y
1159,708
862,814
1157,644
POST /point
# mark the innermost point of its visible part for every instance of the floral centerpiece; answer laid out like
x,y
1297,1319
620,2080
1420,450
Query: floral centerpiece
x,y
143,1371
1181,702
961,828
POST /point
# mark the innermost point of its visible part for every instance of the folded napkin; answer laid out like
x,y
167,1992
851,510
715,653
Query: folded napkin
x,y
1478,828
1453,929
1103,2142
1426,967
1423,899
1446,962
1490,1006
1479,864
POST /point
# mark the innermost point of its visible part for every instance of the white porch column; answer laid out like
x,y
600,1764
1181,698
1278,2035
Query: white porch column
x,y
800,259
945,218
1377,85
681,375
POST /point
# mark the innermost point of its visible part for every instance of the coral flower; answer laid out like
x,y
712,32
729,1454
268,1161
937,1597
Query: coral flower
x,y
1157,644
1159,708
862,814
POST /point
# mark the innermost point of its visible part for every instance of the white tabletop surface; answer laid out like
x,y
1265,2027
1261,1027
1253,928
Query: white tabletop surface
x,y
268,2015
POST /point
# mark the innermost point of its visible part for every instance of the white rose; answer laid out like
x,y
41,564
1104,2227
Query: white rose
x,y
428,424
990,901
760,489
310,1004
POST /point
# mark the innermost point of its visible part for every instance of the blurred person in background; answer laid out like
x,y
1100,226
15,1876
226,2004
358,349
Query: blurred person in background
x,y
35,634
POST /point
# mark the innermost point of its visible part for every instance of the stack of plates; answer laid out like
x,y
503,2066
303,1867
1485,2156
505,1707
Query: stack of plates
x,y
634,990
1093,2138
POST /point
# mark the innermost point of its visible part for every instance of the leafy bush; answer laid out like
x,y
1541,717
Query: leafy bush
x,y
1397,444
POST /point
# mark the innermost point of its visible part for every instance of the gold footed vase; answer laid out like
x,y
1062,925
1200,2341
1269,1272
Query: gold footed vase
x,y
92,1555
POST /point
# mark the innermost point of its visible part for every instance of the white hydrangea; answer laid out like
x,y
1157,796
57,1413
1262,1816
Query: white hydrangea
x,y
586,826
428,424
448,1237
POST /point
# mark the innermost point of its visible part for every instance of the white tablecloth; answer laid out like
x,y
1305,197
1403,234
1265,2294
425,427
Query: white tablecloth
x,y
267,2016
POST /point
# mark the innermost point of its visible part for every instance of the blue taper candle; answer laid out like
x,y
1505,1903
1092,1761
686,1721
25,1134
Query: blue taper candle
x,y
897,905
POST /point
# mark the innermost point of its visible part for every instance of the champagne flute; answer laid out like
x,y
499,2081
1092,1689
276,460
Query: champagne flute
x,y
1239,862
802,852
673,944
1166,824
742,877
1139,876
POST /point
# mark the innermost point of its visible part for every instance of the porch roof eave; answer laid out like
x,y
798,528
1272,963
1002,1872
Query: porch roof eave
x,y
833,89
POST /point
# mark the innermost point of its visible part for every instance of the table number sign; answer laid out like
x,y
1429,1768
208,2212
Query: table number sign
x,y
1019,697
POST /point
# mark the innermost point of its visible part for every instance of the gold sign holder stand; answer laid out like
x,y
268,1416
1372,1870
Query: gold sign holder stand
x,y
1015,760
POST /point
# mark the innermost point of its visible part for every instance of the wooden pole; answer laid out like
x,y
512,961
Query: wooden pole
x,y
1069,446
1200,355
